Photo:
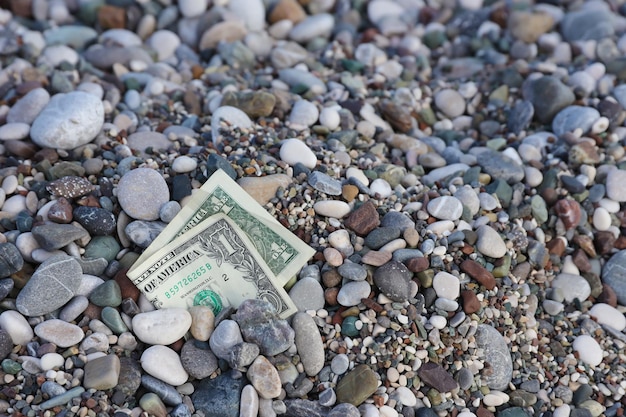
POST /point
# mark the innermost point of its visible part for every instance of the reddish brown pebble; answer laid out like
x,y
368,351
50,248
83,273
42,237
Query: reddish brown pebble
x,y
286,10
557,246
331,278
376,258
620,243
92,311
418,264
371,304
607,296
479,273
330,295
363,220
581,261
483,412
604,242
61,211
569,212
111,17
471,304
128,289
70,187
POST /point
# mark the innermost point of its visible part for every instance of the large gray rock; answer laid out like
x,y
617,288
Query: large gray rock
x,y
259,323
497,355
52,285
51,236
309,343
500,166
614,275
218,397
68,121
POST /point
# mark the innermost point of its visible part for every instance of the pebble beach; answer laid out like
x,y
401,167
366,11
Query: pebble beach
x,y
458,166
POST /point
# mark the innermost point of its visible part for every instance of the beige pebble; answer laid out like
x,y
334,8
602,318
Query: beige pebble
x,y
202,322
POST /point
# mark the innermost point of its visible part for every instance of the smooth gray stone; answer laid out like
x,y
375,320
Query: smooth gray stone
x,y
574,117
62,399
614,273
307,294
500,166
6,286
6,344
397,219
306,408
324,183
197,359
548,96
583,25
393,280
497,355
166,392
52,285
95,266
51,236
142,233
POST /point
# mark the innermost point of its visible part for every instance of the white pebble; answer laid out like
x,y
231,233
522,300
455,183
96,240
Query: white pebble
x,y
601,219
294,150
161,327
329,117
303,114
438,322
163,363
608,315
16,326
51,361
358,174
380,188
183,164
589,351
332,208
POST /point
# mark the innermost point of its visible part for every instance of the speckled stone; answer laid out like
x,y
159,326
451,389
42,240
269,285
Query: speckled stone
x,y
141,193
393,280
497,355
309,343
52,285
357,385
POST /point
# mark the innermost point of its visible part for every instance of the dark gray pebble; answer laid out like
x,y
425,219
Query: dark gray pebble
x,y
197,359
218,397
324,183
380,236
97,221
165,392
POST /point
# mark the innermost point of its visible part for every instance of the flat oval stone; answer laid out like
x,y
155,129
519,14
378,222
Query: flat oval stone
x,y
60,333
588,349
163,363
497,354
351,293
197,359
309,343
68,121
489,242
608,315
161,327
572,286
307,294
224,337
102,373
446,285
16,326
357,385
52,285
141,193
332,208
445,208
264,377
108,293
393,280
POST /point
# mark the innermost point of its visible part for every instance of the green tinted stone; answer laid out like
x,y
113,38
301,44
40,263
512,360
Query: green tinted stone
x,y
111,317
502,190
11,367
503,269
348,327
539,209
357,386
107,294
102,247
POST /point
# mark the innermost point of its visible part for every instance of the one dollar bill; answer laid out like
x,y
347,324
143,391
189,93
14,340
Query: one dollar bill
x,y
214,264
283,252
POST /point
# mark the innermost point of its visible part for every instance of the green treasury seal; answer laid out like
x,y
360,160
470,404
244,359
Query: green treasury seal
x,y
208,298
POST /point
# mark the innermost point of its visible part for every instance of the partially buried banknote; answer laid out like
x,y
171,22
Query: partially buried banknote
x,y
283,252
214,264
